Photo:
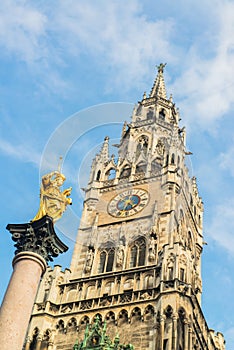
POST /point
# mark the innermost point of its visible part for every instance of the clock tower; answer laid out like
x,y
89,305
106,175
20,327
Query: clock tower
x,y
137,259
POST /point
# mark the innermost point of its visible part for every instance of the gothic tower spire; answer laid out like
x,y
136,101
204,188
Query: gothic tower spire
x,y
137,259
159,88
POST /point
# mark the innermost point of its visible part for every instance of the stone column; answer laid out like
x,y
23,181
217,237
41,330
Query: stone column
x,y
39,341
186,334
27,343
190,337
162,322
36,243
174,331
19,298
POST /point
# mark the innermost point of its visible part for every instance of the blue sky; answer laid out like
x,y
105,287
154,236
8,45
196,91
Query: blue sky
x,y
59,58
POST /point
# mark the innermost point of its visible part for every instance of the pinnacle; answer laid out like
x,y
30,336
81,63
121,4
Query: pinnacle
x,y
159,88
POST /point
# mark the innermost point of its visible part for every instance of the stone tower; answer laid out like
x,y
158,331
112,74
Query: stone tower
x,y
137,258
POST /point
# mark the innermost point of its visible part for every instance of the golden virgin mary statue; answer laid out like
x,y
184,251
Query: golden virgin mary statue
x,y
53,201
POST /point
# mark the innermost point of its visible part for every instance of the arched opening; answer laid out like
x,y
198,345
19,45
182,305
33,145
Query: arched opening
x,y
34,339
111,174
150,113
72,325
173,159
98,175
141,168
137,253
125,172
162,114
110,317
60,326
106,260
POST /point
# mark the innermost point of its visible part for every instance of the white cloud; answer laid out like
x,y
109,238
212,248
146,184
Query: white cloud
x,y
208,78
123,42
22,28
226,160
222,226
20,152
117,34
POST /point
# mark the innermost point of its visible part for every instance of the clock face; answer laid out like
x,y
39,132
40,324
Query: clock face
x,y
128,203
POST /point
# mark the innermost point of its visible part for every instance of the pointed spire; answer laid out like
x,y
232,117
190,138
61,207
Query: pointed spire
x,y
104,153
159,88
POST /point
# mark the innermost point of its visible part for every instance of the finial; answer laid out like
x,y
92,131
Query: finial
x,y
161,67
159,88
144,96
60,164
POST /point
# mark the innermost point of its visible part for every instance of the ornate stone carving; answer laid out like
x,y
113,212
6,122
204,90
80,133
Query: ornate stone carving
x,y
120,255
160,147
152,249
38,237
89,259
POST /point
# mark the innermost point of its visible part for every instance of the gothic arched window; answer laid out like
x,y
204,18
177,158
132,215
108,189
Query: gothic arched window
x,y
111,174
172,158
137,253
150,113
141,168
126,171
162,114
106,260
98,175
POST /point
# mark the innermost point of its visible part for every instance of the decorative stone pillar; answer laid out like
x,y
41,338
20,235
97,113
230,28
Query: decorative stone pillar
x,y
190,337
36,243
162,322
186,334
27,343
174,330
39,341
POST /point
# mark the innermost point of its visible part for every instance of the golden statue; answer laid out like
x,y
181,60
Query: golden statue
x,y
53,201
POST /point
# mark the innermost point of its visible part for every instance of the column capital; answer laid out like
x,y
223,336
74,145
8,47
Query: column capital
x,y
38,237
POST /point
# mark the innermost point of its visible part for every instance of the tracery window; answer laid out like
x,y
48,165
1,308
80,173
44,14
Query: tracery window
x,y
106,260
137,253
141,168
126,171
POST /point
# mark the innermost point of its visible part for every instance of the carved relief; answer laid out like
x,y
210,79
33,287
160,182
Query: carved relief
x,y
89,259
160,148
120,255
152,249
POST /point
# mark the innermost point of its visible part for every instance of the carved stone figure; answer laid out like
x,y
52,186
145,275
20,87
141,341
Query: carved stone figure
x,y
89,260
160,148
120,255
152,250
53,202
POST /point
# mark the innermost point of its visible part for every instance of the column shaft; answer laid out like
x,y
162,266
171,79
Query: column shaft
x,y
19,298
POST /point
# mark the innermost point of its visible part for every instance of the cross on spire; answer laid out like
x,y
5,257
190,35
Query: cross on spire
x,y
159,88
